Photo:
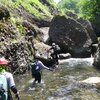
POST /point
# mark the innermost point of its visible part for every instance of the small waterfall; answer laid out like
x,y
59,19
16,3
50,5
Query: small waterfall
x,y
72,62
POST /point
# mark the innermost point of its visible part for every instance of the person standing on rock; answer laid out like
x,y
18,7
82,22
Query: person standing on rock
x,y
54,54
8,82
29,34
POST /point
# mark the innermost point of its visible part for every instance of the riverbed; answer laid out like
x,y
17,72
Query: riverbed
x,y
62,83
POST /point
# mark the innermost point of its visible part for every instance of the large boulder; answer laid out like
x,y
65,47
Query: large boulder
x,y
42,54
85,23
71,36
96,62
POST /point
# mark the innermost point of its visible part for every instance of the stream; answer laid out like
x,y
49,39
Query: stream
x,y
62,83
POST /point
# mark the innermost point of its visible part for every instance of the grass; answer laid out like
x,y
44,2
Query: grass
x,y
34,7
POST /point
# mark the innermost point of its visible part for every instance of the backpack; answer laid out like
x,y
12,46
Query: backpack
x,y
3,88
35,68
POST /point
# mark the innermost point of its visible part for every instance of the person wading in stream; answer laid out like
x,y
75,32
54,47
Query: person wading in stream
x,y
54,54
6,82
36,68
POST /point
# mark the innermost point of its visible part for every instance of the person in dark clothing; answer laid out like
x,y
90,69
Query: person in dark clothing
x,y
29,32
54,54
36,68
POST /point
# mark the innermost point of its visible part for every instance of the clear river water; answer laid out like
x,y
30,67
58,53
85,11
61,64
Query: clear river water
x,y
63,83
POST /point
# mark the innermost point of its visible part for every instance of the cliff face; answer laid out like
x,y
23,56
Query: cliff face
x,y
14,16
37,15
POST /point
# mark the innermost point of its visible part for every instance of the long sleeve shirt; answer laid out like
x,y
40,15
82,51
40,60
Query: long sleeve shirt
x,y
41,65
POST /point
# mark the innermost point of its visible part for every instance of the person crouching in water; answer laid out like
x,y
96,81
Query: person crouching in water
x,y
36,68
9,82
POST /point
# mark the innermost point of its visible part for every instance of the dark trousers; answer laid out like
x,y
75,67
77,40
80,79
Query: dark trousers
x,y
55,58
37,77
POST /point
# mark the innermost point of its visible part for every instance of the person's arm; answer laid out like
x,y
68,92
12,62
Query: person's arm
x,y
15,91
12,86
49,49
42,65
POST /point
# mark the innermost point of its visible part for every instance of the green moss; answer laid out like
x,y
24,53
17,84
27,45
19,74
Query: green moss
x,y
17,22
36,8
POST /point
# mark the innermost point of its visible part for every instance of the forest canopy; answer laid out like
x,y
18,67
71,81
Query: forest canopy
x,y
84,8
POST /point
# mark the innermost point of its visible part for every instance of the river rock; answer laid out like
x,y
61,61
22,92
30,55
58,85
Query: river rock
x,y
92,80
42,54
64,56
96,62
71,36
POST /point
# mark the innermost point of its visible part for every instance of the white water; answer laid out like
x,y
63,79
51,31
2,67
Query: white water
x,y
77,61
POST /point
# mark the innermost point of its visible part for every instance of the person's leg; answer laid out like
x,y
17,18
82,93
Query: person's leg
x,y
52,55
36,78
39,77
56,59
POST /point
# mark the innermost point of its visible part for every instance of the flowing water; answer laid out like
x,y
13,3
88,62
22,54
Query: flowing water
x,y
61,83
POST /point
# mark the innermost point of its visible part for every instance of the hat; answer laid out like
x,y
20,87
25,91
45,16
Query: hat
x,y
3,61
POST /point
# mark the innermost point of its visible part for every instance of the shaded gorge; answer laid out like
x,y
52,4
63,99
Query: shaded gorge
x,y
62,83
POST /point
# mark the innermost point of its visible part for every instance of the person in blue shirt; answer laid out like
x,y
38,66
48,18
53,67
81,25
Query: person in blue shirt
x,y
36,68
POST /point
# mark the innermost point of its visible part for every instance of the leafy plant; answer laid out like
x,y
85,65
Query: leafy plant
x,y
69,4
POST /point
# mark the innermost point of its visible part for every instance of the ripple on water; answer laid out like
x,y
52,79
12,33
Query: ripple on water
x,y
62,83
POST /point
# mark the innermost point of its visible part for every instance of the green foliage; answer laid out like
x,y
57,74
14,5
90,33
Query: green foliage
x,y
51,2
69,4
7,3
64,11
87,8
84,8
17,21
34,7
